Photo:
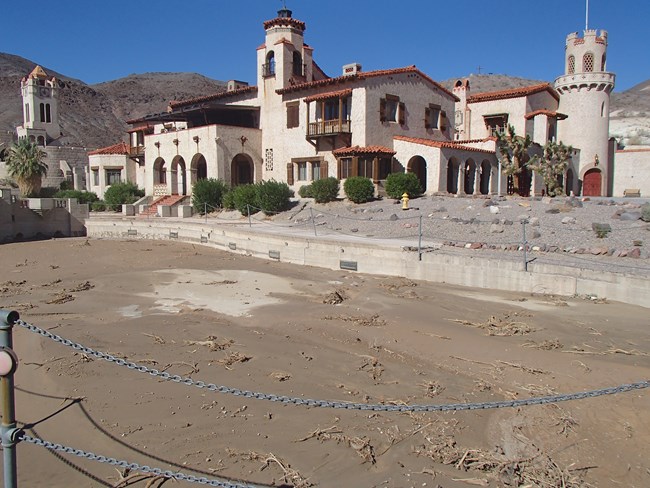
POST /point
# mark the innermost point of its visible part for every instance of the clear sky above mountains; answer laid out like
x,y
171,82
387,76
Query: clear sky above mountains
x,y
99,41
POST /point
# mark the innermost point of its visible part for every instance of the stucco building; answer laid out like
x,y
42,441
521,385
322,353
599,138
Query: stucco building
x,y
298,125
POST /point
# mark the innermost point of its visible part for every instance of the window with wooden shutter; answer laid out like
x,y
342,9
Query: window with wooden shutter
x,y
289,173
382,110
293,115
427,118
443,120
402,113
323,169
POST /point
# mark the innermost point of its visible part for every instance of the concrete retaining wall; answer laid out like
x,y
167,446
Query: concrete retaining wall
x,y
379,258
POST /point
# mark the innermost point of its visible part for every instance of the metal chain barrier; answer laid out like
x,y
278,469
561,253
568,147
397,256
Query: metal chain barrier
x,y
177,475
334,403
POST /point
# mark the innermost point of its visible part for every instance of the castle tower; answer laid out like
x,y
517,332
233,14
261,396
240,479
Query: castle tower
x,y
584,91
284,59
40,107
461,114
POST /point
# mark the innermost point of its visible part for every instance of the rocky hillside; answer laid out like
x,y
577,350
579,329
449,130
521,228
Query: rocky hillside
x,y
94,115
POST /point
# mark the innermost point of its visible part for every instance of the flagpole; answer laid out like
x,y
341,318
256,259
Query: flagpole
x,y
587,17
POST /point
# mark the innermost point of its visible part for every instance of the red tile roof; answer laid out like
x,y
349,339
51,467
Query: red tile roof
x,y
633,150
325,96
121,148
442,144
285,22
283,40
357,150
363,75
513,93
215,96
548,113
145,128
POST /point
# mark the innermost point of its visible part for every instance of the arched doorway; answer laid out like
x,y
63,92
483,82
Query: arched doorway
x,y
486,173
569,182
179,182
592,183
159,172
452,175
469,176
241,170
418,166
199,168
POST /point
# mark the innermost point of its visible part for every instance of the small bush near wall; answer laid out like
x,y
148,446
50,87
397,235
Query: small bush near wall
x,y
244,198
325,190
228,200
359,189
305,192
98,206
272,196
81,196
208,192
399,183
122,193
47,192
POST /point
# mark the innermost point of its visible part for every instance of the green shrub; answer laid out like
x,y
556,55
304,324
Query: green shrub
x,y
122,193
81,196
359,189
47,192
399,183
325,190
305,192
245,198
66,185
645,212
98,206
272,196
208,191
228,200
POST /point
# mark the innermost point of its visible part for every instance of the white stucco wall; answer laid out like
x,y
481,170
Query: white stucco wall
x,y
102,162
632,171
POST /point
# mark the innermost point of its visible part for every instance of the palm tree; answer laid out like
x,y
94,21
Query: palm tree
x,y
25,164
513,153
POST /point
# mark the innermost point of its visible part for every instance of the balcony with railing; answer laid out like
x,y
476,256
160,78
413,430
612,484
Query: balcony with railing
x,y
328,128
268,70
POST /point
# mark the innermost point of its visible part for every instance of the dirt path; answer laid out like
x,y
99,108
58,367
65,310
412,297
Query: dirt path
x,y
315,333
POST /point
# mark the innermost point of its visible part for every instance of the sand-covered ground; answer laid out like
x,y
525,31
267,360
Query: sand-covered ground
x,y
314,333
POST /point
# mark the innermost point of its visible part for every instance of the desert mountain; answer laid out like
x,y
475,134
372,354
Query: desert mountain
x,y
95,115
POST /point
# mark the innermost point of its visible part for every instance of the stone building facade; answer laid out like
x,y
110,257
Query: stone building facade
x,y
298,125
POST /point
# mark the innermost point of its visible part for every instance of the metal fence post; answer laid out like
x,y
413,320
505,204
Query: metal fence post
x,y
525,244
420,240
8,427
313,222
205,212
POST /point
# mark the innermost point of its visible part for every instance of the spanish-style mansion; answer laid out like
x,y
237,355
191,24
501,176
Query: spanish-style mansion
x,y
298,125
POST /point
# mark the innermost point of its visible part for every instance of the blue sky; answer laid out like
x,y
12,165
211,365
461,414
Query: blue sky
x,y
102,40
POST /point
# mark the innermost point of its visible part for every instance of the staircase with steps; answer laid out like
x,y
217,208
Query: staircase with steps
x,y
170,200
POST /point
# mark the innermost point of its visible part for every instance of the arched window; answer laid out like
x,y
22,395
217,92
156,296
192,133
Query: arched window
x,y
603,63
588,63
297,64
41,141
269,68
42,107
602,110
571,68
48,114
27,112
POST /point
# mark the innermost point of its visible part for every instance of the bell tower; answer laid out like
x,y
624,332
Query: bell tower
x,y
584,91
284,59
40,107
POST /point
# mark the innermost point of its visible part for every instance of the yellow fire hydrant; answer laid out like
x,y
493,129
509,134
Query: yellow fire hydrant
x,y
405,201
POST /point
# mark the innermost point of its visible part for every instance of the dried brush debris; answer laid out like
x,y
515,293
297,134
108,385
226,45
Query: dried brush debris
x,y
234,357
335,298
289,474
372,321
213,343
361,445
87,285
372,365
60,298
500,326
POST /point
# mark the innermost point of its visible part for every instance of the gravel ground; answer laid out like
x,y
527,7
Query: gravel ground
x,y
557,229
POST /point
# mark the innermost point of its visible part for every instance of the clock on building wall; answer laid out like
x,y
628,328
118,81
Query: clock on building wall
x,y
44,91
458,118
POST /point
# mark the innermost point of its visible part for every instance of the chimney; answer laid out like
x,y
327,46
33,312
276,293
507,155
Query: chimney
x,y
351,69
